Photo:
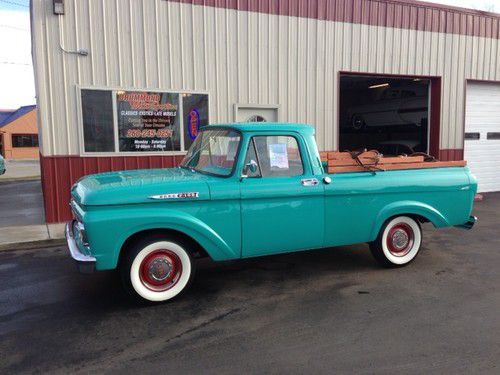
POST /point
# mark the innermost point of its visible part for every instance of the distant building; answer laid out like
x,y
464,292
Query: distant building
x,y
19,133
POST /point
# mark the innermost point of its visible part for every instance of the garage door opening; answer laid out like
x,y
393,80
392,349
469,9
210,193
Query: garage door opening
x,y
389,114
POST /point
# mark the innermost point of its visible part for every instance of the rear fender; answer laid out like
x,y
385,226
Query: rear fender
x,y
408,208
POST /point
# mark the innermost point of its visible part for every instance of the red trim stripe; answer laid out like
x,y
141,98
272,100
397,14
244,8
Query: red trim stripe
x,y
401,14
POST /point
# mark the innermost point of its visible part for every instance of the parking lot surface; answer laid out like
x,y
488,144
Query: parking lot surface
x,y
21,203
327,311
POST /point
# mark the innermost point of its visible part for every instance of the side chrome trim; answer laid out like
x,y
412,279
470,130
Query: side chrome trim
x,y
85,263
184,195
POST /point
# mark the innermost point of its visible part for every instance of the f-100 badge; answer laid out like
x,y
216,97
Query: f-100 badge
x,y
175,195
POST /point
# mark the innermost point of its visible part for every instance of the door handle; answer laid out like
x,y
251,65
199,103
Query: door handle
x,y
309,182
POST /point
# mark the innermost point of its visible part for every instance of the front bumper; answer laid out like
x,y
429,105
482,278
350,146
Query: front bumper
x,y
469,223
84,263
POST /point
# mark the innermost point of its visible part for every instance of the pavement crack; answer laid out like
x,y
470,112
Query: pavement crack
x,y
204,324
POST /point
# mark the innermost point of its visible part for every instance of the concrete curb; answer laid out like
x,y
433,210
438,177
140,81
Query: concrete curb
x,y
31,244
27,178
31,236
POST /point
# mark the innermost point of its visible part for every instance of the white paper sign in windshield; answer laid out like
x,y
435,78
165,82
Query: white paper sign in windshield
x,y
278,155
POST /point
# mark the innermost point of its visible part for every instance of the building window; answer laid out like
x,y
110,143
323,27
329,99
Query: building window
x,y
24,140
195,109
118,121
97,114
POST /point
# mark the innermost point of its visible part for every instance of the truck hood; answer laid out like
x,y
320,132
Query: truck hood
x,y
140,186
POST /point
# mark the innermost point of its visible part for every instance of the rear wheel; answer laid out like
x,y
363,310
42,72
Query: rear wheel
x,y
156,269
398,242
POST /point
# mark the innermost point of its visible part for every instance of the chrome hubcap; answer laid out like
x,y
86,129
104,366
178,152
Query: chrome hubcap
x,y
400,239
159,269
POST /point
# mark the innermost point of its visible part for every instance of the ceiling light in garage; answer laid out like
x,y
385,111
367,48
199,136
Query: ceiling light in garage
x,y
379,85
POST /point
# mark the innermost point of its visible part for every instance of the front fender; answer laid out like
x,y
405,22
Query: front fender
x,y
408,208
108,231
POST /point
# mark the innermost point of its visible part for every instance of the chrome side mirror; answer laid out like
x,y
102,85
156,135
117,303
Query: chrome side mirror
x,y
250,166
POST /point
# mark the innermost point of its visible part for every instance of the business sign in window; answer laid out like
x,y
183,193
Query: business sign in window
x,y
195,115
120,121
148,121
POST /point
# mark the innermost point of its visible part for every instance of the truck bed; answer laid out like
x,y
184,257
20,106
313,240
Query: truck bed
x,y
345,162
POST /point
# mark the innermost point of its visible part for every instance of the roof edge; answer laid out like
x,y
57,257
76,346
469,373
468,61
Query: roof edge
x,y
399,14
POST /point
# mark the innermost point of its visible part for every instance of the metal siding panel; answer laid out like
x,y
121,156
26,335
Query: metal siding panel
x,y
403,56
40,72
151,42
263,56
369,39
124,44
460,90
311,68
273,61
253,62
269,58
224,68
379,49
111,43
292,70
355,53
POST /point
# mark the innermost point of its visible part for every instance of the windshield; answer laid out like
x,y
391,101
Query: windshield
x,y
213,152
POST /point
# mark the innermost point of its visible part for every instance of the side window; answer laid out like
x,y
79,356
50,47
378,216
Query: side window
x,y
278,156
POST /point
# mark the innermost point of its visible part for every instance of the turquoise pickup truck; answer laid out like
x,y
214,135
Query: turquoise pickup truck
x,y
248,190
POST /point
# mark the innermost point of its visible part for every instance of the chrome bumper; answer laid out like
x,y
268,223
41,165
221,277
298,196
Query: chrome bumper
x,y
469,224
84,263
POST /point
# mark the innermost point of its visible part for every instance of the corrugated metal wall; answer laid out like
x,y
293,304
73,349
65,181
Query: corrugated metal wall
x,y
245,57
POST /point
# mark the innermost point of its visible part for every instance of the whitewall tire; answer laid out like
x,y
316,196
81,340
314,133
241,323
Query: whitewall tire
x,y
156,269
398,242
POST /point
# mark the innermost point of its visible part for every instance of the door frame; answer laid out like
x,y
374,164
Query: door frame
x,y
238,106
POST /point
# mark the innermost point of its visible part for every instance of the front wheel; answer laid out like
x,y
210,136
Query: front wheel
x,y
156,269
398,242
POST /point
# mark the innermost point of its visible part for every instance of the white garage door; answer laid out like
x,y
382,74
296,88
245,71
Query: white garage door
x,y
482,134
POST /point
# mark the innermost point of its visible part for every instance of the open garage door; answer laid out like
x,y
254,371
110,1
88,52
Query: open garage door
x,y
482,134
385,113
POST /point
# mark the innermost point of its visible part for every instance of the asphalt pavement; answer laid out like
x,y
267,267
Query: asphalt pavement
x,y
327,311
21,203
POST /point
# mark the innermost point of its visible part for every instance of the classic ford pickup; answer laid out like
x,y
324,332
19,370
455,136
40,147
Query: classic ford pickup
x,y
247,190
